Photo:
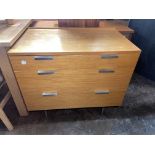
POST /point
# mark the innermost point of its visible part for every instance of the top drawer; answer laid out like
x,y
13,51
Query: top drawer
x,y
73,61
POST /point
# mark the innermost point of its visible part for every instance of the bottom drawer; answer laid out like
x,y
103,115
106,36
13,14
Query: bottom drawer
x,y
63,100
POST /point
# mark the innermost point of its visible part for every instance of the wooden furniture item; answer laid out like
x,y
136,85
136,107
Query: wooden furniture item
x,y
119,25
8,36
73,67
44,24
78,22
4,101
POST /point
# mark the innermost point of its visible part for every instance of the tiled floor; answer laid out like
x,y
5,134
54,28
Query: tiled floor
x,y
136,116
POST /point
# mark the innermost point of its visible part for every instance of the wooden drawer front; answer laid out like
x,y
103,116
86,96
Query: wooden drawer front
x,y
73,80
117,80
71,98
74,61
73,91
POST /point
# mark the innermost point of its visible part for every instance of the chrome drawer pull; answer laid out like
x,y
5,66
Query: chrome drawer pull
x,y
45,72
43,58
49,94
106,71
102,92
109,56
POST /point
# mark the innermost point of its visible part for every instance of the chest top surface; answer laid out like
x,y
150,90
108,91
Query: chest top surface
x,y
71,40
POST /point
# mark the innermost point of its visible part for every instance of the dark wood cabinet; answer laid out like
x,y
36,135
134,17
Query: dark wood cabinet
x,y
78,22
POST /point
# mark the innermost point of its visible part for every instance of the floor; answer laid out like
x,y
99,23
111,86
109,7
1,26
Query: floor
x,y
136,116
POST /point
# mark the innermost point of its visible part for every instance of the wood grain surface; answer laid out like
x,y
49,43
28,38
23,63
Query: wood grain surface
x,y
10,33
79,56
121,26
71,41
75,76
78,22
74,61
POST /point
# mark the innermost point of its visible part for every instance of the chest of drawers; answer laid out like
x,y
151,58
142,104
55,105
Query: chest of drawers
x,y
73,68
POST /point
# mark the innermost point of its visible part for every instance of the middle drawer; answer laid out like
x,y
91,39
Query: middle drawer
x,y
112,78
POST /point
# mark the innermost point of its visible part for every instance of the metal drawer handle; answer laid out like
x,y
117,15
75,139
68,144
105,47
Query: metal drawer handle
x,y
109,56
43,57
106,71
45,72
102,92
49,94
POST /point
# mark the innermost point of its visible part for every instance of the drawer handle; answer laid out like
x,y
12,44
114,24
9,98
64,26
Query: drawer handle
x,y
43,57
49,94
106,71
43,72
102,92
109,56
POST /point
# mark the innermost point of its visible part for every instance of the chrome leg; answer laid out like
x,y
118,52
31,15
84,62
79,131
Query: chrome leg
x,y
46,116
102,111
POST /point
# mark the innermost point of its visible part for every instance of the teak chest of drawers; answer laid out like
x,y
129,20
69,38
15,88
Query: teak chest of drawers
x,y
73,68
